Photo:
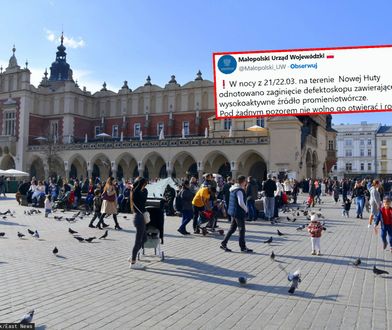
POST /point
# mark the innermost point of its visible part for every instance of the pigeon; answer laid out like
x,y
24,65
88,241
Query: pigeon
x,y
279,233
70,219
104,235
295,219
379,271
72,231
90,239
320,209
125,217
55,251
30,232
76,215
295,279
57,217
36,235
268,241
20,235
356,262
272,256
297,214
6,212
324,228
288,218
4,217
28,318
80,239
301,227
242,280
2,234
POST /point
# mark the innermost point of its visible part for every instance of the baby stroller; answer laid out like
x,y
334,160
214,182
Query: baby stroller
x,y
62,201
207,222
154,232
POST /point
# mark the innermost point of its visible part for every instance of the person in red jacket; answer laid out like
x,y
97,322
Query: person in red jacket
x,y
385,217
315,228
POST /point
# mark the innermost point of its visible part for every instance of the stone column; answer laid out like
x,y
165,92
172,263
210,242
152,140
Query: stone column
x,y
89,170
66,169
114,169
234,170
200,170
140,168
169,169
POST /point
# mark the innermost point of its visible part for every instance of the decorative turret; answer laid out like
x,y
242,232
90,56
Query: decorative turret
x,y
60,69
198,76
148,81
13,63
44,81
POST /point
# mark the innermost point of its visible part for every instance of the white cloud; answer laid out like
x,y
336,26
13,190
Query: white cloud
x,y
70,42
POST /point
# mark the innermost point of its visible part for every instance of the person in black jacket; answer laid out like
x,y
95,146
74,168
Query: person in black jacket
x,y
251,196
359,194
269,189
138,201
186,196
226,194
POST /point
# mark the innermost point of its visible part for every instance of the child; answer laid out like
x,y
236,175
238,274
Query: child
x,y
385,217
97,203
315,228
346,207
48,205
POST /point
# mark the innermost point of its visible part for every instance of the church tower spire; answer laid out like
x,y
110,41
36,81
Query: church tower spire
x,y
60,69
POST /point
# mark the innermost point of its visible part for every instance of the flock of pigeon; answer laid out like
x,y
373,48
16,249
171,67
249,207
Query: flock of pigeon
x,y
294,278
294,214
28,318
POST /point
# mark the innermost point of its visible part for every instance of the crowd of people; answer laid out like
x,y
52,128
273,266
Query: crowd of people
x,y
240,200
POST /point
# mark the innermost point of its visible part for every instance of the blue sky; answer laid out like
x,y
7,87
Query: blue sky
x,y
128,40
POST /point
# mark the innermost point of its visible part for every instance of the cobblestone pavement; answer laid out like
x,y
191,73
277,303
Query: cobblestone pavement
x,y
89,286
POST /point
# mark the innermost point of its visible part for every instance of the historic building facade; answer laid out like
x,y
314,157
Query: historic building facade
x,y
356,150
61,129
384,151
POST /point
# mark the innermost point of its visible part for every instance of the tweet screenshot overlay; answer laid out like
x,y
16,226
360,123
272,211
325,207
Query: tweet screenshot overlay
x,y
305,81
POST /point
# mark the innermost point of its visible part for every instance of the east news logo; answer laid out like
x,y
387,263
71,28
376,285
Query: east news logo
x,y
227,64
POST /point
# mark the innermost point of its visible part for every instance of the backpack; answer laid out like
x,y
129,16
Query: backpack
x,y
178,201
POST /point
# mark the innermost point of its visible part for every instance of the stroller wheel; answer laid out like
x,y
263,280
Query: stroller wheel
x,y
204,231
221,231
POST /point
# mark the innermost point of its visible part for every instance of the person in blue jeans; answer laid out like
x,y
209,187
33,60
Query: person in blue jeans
x,y
251,196
359,193
385,217
237,210
186,196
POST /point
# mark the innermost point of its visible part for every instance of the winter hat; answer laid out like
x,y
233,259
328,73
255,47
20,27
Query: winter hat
x,y
313,217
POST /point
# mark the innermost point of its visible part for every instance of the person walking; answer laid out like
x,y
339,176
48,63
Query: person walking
x,y
186,195
138,198
385,218
109,204
237,210
269,189
200,202
226,194
374,201
97,204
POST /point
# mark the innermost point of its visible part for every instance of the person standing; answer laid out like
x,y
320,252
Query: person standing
x,y
109,204
375,201
138,198
226,194
359,194
269,189
315,229
237,210
186,195
251,196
